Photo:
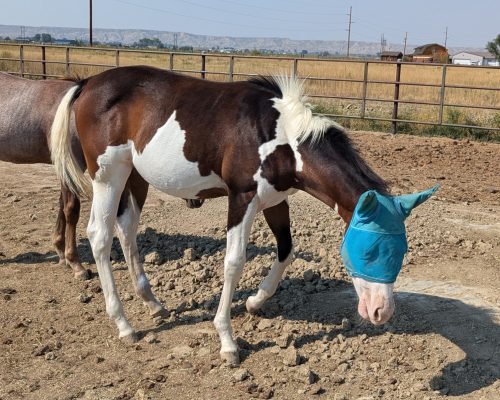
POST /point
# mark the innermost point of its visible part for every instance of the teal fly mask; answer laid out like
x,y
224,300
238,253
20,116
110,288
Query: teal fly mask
x,y
374,245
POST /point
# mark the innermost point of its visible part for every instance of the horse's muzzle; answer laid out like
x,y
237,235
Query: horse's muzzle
x,y
376,301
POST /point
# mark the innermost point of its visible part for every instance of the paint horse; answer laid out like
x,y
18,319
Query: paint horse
x,y
27,110
256,142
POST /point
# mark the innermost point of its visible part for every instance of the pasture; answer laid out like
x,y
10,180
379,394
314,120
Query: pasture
x,y
57,341
424,84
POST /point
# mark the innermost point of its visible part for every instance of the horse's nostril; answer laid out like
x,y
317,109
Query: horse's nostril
x,y
376,315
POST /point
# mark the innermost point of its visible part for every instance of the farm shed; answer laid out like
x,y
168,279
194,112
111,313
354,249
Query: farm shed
x,y
430,53
475,58
391,56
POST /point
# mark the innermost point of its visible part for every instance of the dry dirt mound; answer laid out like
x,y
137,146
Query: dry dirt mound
x,y
57,342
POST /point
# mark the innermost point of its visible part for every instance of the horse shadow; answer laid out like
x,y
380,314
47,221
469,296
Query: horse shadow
x,y
168,247
469,327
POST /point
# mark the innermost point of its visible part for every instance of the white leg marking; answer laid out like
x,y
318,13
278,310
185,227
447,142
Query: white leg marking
x,y
268,287
237,239
126,228
115,166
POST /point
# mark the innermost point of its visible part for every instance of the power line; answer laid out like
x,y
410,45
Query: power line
x,y
218,21
259,17
283,10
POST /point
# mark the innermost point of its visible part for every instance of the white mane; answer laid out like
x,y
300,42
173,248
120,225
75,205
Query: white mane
x,y
300,123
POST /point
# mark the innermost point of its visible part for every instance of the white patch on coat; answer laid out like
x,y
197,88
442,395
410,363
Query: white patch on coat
x,y
162,164
267,194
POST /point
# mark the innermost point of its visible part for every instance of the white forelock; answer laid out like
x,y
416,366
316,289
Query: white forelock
x,y
300,123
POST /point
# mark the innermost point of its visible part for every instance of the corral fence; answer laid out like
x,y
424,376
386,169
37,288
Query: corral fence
x,y
29,60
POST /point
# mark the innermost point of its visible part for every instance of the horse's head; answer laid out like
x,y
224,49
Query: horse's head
x,y
374,247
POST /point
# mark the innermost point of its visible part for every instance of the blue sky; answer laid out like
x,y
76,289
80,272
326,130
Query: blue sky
x,y
470,23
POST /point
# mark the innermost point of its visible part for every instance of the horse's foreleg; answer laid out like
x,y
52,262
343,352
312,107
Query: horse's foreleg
x,y
71,210
129,213
241,213
108,187
278,219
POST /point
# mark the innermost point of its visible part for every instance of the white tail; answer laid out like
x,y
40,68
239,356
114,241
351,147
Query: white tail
x,y
67,168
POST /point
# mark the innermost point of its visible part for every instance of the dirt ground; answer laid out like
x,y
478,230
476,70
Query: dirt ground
x,y
57,342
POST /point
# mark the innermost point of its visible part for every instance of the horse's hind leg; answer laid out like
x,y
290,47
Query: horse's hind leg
x,y
129,212
64,238
72,214
278,219
107,187
59,232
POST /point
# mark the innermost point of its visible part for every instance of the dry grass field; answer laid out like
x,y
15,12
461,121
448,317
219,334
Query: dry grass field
x,y
218,67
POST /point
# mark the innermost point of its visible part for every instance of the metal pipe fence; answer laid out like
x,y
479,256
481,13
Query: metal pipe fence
x,y
294,67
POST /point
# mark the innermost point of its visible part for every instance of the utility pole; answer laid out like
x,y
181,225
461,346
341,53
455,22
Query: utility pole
x,y
349,32
382,43
404,48
175,41
446,37
90,23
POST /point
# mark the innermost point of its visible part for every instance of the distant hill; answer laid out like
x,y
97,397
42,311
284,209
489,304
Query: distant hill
x,y
130,36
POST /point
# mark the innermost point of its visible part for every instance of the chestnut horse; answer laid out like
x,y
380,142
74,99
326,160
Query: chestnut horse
x,y
27,110
256,142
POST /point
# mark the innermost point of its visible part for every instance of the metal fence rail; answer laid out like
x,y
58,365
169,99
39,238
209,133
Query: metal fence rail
x,y
294,62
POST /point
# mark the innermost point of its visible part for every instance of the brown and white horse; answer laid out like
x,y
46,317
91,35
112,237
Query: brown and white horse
x,y
27,110
256,142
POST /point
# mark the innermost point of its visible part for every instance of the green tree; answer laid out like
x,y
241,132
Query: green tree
x,y
494,47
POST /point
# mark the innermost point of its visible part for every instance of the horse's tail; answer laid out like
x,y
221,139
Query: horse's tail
x,y
67,168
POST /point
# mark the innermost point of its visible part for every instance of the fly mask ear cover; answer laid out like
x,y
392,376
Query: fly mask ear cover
x,y
374,245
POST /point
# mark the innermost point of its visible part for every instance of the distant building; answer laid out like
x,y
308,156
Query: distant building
x,y
475,58
63,42
430,53
391,56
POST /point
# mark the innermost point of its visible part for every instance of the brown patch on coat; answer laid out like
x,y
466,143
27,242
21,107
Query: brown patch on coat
x,y
279,168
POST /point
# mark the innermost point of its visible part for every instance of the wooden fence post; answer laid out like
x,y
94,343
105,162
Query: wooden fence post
x,y
441,96
203,61
21,61
295,67
396,99
171,61
231,68
67,60
117,58
44,65
365,90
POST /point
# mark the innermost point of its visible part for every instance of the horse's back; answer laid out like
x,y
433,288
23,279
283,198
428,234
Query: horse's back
x,y
27,109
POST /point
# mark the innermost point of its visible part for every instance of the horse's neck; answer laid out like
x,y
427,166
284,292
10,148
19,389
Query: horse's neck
x,y
332,181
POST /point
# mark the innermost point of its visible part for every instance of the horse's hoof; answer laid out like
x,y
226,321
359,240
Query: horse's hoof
x,y
130,339
231,358
83,275
161,313
252,308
